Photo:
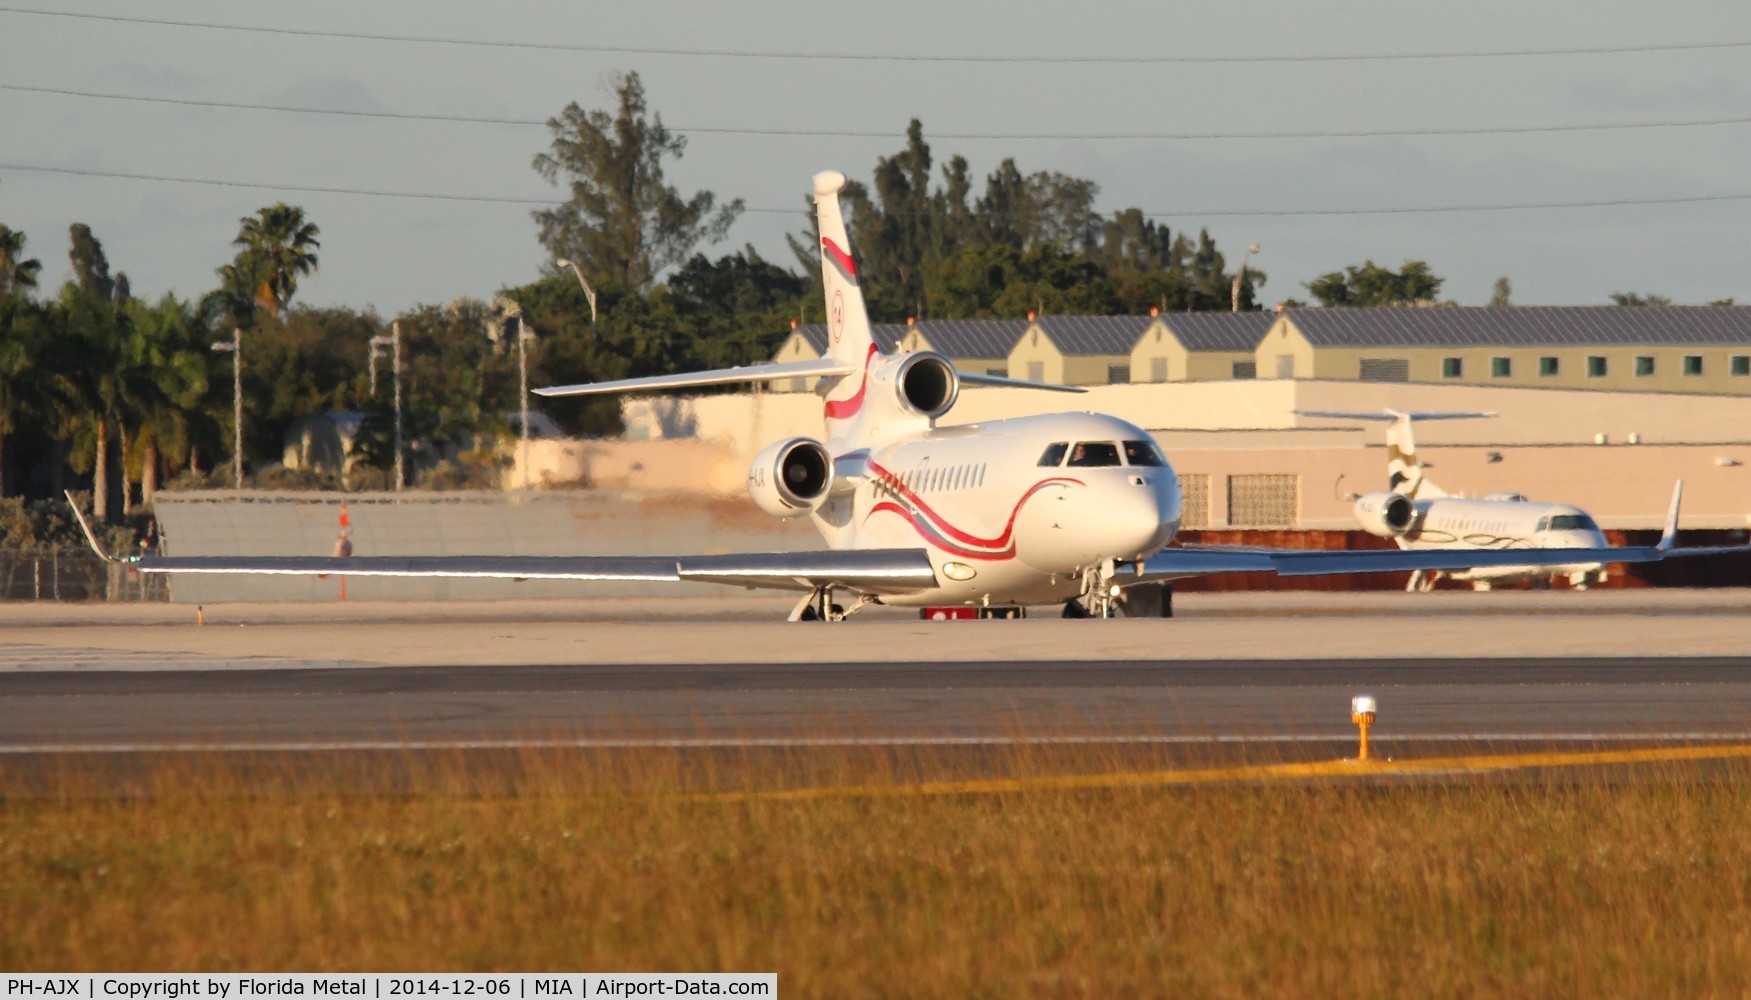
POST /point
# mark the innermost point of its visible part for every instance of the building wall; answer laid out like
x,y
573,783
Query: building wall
x,y
1158,344
1428,364
1036,348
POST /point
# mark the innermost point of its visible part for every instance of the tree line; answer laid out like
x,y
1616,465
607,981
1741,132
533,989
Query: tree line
x,y
101,387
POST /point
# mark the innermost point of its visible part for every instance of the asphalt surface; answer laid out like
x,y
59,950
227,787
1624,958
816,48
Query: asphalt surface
x,y
1491,701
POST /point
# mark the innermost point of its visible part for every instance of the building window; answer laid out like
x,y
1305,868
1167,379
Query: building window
x,y
1741,364
1501,368
1036,371
1385,370
1264,501
1158,369
1118,374
1452,367
999,372
1644,365
1245,369
1548,366
1285,366
1595,366
1693,364
1194,492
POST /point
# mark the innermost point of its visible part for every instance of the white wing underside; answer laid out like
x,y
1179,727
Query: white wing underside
x,y
874,571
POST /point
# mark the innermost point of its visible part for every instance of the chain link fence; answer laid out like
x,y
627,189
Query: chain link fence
x,y
69,574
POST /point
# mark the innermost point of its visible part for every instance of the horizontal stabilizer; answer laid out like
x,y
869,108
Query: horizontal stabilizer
x,y
998,381
1387,416
819,368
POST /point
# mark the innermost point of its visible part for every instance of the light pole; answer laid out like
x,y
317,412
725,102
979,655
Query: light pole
x,y
235,349
588,293
1240,276
514,314
393,343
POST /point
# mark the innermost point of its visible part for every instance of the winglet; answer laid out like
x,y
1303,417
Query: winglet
x,y
90,536
1670,535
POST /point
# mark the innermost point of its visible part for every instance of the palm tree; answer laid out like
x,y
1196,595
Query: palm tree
x,y
21,329
93,377
16,273
168,382
278,247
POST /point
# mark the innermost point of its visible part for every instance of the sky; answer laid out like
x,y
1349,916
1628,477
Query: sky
x,y
1057,72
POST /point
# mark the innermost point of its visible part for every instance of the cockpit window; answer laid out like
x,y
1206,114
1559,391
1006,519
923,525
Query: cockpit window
x,y
1088,454
1571,522
1054,454
1144,453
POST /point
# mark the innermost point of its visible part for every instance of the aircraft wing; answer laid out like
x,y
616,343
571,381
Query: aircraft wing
x,y
1179,563
874,571
1204,560
818,368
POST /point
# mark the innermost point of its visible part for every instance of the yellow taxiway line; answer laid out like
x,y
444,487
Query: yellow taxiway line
x,y
1458,766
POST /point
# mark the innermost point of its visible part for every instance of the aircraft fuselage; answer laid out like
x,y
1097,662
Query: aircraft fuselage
x,y
1011,511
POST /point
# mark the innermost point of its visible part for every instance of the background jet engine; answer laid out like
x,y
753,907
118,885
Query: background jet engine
x,y
1387,515
791,477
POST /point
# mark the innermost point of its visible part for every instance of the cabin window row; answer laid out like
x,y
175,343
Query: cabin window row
x,y
951,477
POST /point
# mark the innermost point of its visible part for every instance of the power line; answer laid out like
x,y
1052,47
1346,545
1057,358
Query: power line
x,y
895,57
1182,213
301,188
899,133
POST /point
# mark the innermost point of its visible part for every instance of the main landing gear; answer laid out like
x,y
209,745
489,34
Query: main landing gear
x,y
818,606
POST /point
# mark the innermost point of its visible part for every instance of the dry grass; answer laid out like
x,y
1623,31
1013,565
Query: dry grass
x,y
604,862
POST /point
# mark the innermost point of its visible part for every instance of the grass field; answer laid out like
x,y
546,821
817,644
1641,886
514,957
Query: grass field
x,y
1632,882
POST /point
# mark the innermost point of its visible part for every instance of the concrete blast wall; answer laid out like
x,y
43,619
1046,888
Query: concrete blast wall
x,y
437,524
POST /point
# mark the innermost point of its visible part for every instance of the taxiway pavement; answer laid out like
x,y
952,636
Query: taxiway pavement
x,y
1479,668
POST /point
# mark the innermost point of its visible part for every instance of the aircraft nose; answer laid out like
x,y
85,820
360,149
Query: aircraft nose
x,y
1136,516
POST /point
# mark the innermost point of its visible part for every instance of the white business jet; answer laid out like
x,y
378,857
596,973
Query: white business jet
x,y
1417,514
1072,509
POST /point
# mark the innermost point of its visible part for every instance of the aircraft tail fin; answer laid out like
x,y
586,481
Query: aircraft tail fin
x,y
848,331
1404,470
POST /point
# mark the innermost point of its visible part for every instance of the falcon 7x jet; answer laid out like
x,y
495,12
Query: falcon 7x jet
x,y
1071,509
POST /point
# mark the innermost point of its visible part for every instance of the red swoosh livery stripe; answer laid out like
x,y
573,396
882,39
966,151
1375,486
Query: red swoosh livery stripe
x,y
923,517
841,258
844,409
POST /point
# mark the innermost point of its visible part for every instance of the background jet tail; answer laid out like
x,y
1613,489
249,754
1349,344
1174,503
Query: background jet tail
x,y
1404,472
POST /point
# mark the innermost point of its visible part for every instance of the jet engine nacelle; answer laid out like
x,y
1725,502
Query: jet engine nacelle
x,y
924,383
1387,515
791,477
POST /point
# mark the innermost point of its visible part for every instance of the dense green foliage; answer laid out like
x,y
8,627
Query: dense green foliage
x,y
1373,285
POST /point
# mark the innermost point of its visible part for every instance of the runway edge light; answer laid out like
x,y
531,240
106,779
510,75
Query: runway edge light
x,y
1362,713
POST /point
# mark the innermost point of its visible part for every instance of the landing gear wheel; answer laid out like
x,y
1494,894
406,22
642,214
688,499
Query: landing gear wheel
x,y
809,615
1073,609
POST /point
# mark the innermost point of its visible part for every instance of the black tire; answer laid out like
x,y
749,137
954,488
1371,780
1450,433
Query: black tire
x,y
810,614
1073,609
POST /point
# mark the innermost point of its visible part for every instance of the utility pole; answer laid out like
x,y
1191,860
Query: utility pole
x,y
392,342
235,349
1240,276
